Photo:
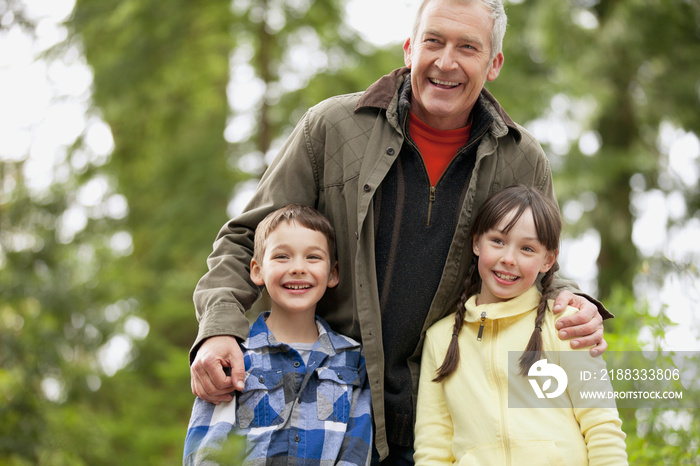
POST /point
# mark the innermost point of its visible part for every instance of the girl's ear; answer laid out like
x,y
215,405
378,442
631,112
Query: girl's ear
x,y
550,259
475,245
256,273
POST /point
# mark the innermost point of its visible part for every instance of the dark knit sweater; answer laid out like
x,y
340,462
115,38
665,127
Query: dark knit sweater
x,y
413,235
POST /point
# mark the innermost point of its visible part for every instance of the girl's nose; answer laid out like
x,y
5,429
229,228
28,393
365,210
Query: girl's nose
x,y
508,257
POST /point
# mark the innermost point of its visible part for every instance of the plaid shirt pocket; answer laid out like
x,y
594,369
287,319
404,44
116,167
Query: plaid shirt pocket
x,y
334,392
262,402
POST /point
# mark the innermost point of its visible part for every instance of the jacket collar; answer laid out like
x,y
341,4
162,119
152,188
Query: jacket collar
x,y
383,95
513,307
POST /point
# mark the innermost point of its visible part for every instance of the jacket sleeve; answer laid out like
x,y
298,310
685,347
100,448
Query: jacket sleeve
x,y
357,445
434,430
225,292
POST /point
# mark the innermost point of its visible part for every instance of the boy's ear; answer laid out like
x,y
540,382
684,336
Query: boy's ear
x,y
256,273
333,277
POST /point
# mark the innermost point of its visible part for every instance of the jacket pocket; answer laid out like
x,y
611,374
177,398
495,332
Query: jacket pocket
x,y
334,392
262,403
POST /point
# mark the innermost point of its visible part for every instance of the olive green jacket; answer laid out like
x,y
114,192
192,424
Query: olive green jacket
x,y
334,160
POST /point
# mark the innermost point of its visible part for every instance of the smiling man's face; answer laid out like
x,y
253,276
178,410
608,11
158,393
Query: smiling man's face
x,y
450,60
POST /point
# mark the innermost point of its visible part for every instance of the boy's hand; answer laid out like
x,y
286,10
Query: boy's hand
x,y
586,323
209,382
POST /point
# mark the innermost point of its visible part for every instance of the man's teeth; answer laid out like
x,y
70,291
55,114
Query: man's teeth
x,y
297,287
444,83
505,276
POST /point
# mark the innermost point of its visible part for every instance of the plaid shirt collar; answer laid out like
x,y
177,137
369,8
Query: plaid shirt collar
x,y
328,342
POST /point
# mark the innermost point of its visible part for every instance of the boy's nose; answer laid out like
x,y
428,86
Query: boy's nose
x,y
297,266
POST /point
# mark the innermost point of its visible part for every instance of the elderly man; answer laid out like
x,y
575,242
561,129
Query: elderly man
x,y
399,170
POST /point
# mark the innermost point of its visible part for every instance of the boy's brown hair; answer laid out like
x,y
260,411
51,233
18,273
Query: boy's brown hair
x,y
303,215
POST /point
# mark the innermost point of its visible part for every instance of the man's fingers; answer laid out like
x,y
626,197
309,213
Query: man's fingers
x,y
594,339
209,382
601,348
563,299
588,313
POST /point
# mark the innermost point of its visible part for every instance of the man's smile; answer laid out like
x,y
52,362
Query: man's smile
x,y
439,82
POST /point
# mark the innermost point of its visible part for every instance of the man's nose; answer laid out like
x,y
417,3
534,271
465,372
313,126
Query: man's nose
x,y
446,60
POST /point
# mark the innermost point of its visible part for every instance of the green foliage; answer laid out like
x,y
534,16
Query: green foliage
x,y
659,434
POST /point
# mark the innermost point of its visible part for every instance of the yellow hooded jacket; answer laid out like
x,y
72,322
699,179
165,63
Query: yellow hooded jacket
x,y
465,419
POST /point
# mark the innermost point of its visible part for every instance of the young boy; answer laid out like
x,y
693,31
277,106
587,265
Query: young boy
x,y
306,394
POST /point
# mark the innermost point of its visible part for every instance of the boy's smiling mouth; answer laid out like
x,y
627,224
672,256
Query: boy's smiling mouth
x,y
295,286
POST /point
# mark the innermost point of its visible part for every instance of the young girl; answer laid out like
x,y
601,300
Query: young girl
x,y
463,414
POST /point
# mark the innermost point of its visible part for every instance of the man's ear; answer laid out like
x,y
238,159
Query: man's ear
x,y
333,277
495,68
407,52
256,273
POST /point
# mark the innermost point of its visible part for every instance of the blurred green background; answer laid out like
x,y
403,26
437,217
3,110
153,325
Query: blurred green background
x,y
131,130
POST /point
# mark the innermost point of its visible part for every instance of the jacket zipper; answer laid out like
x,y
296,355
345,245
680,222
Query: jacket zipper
x,y
431,199
501,392
481,326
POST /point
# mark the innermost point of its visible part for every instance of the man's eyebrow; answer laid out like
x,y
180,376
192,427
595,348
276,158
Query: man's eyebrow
x,y
465,38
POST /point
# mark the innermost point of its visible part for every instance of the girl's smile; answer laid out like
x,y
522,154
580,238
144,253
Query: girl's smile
x,y
509,263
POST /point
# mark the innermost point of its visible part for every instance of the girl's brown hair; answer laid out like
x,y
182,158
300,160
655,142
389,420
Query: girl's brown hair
x,y
548,224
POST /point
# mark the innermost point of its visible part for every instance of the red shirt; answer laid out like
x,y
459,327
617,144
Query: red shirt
x,y
437,147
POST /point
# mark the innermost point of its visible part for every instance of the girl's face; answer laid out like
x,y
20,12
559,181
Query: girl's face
x,y
510,262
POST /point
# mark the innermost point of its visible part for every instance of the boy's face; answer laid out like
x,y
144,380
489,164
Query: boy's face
x,y
296,268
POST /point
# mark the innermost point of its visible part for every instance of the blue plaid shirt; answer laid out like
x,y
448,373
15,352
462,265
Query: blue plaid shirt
x,y
291,412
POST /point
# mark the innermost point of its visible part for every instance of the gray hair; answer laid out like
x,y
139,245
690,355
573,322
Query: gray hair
x,y
498,14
